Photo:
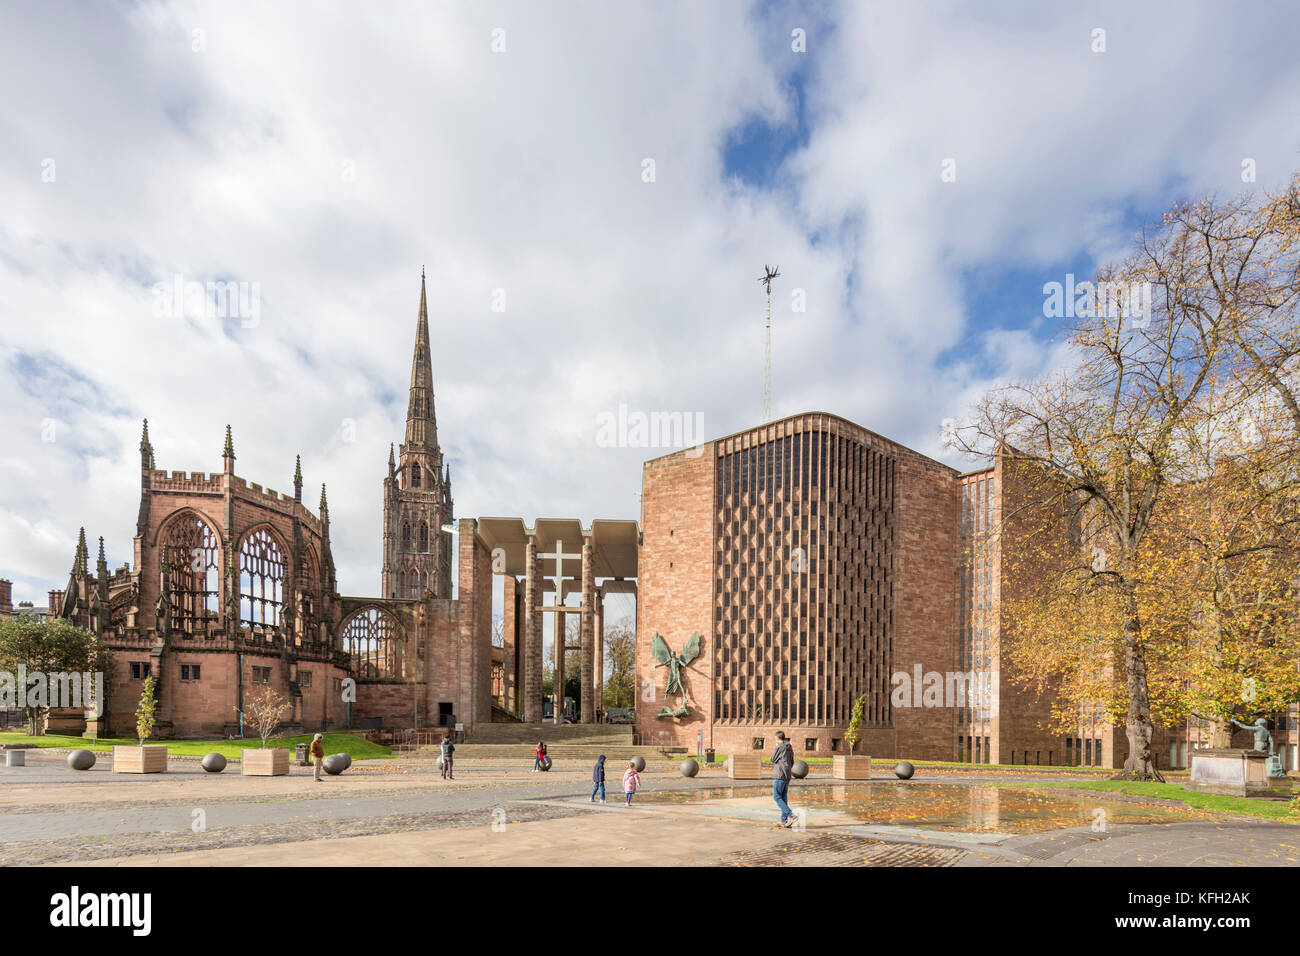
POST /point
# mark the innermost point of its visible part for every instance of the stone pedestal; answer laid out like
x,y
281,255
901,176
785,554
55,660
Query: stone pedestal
x,y
1230,772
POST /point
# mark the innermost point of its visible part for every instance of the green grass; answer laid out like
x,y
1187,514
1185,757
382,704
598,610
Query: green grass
x,y
359,747
1249,806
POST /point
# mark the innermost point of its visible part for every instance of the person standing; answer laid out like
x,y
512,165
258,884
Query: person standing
x,y
631,782
598,779
448,748
318,755
782,765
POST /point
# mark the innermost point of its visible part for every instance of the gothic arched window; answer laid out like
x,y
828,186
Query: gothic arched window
x,y
370,638
261,580
424,536
415,476
406,536
193,575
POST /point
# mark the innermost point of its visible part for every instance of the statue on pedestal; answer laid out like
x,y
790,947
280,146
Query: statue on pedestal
x,y
1264,741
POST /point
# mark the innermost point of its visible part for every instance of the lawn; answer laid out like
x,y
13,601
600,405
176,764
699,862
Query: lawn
x,y
1250,806
359,747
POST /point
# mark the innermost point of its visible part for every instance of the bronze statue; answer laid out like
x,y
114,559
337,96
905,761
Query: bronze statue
x,y
675,662
1263,739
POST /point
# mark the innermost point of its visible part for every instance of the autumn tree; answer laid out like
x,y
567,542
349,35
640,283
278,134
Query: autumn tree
x,y
1099,443
264,711
620,658
1157,556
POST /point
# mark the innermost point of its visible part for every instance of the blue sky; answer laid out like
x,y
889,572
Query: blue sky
x,y
322,153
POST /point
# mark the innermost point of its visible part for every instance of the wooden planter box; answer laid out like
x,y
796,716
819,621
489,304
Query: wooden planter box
x,y
151,758
265,762
850,767
745,767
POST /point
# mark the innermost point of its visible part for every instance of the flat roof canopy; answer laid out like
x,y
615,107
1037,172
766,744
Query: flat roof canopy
x,y
614,547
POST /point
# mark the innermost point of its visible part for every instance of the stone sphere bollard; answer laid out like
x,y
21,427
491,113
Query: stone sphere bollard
x,y
904,770
81,759
213,763
546,763
689,767
799,769
335,764
639,763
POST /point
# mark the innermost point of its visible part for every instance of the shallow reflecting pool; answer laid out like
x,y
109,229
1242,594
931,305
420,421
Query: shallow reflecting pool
x,y
956,807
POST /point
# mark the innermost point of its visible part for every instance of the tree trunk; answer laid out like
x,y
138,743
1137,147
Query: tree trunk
x,y
1140,764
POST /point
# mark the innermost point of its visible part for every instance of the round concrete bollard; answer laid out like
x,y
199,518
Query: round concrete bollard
x,y
335,764
904,770
639,763
213,763
799,769
81,759
546,763
689,767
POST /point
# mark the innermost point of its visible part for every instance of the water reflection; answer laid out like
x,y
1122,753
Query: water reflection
x,y
964,807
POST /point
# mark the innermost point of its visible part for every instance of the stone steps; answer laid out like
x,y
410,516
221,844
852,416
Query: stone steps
x,y
523,753
564,733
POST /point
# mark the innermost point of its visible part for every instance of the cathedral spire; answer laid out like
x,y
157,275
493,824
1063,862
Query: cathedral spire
x,y
421,422
146,447
297,479
81,560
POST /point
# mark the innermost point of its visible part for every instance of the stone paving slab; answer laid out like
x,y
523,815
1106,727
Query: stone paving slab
x,y
403,813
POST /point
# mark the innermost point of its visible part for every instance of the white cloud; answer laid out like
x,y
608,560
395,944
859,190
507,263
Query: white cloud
x,y
327,151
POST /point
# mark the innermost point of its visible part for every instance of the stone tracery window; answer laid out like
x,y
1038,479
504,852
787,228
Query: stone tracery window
x,y
406,536
415,476
371,639
193,576
424,536
261,580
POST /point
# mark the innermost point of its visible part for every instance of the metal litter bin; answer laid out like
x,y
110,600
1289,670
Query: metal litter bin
x,y
301,750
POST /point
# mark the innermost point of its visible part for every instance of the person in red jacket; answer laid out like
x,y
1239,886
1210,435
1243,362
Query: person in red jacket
x,y
540,756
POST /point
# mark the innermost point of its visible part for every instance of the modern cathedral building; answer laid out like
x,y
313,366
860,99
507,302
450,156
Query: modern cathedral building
x,y
782,575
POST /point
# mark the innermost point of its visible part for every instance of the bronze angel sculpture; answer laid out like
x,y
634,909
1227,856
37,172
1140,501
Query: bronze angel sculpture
x,y
674,662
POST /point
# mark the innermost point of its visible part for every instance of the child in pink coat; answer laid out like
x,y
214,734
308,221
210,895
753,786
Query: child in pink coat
x,y
631,782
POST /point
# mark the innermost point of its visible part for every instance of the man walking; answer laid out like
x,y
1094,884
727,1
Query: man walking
x,y
318,755
782,764
448,748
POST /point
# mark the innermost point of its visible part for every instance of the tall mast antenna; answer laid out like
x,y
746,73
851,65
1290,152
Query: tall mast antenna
x,y
769,273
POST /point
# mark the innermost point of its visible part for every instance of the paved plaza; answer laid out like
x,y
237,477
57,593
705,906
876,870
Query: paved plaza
x,y
401,813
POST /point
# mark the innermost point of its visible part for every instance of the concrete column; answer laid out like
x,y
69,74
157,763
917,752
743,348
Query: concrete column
x,y
532,637
588,634
598,626
510,627
557,685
